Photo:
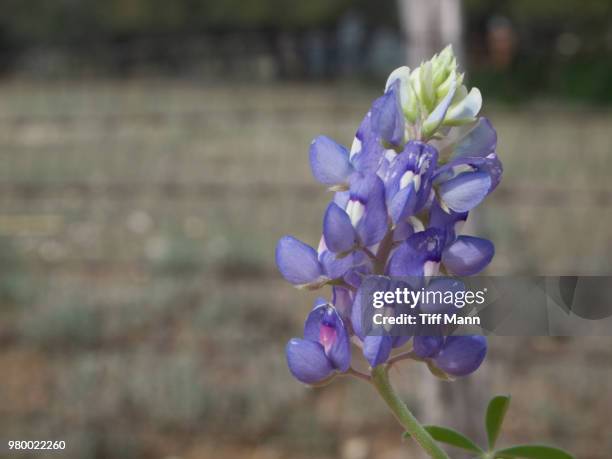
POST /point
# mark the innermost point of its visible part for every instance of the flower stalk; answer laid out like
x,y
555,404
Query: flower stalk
x,y
380,380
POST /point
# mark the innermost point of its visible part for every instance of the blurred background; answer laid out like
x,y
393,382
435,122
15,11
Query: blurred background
x,y
152,153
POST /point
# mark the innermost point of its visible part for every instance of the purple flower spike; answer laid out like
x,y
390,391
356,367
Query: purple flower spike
x,y
307,361
468,255
298,262
462,355
427,347
420,161
329,161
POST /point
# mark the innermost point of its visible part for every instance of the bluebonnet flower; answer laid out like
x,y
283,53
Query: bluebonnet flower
x,y
301,265
420,161
325,347
455,355
376,344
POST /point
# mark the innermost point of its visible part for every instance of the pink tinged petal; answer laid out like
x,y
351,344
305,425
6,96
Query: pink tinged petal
x,y
307,361
327,337
329,161
297,262
465,191
468,255
325,326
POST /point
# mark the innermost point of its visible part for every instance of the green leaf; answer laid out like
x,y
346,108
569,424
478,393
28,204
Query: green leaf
x,y
495,417
450,437
533,452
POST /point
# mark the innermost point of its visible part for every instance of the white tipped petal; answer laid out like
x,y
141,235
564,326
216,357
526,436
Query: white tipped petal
x,y
466,110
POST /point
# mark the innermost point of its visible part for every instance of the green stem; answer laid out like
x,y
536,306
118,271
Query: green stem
x,y
380,379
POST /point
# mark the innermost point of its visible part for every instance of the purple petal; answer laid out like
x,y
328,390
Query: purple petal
x,y
367,208
410,257
367,150
338,231
329,161
493,166
403,204
451,222
376,349
462,355
490,164
465,191
325,326
343,302
355,275
307,361
403,230
362,305
387,116
408,179
297,262
427,347
334,266
468,255
341,198
480,141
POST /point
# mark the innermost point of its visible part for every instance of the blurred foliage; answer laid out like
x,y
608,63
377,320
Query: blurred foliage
x,y
544,10
65,34
583,79
69,19
563,49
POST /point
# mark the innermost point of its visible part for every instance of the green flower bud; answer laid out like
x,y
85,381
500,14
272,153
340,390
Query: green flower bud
x,y
433,95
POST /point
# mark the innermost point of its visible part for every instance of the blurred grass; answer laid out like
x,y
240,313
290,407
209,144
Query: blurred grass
x,y
148,317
